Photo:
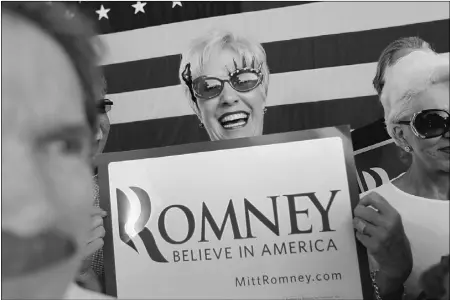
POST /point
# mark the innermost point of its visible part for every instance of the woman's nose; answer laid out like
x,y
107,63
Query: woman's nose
x,y
229,96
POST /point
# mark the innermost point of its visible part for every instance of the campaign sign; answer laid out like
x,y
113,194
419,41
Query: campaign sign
x,y
268,217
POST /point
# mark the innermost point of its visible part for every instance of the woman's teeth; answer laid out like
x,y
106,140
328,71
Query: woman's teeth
x,y
234,117
240,123
234,121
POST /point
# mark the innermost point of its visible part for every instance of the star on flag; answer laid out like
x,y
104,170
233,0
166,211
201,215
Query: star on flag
x,y
102,12
175,3
139,7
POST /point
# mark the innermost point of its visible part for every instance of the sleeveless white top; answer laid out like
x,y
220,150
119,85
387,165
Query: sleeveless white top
x,y
426,223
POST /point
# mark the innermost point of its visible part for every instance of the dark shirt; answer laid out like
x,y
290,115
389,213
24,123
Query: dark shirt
x,y
97,261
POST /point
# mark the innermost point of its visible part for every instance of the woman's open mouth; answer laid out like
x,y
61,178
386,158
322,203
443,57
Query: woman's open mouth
x,y
234,120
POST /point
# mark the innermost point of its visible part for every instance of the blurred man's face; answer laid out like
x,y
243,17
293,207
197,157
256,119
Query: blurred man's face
x,y
46,182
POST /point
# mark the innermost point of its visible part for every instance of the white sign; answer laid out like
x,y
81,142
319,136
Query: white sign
x,y
261,222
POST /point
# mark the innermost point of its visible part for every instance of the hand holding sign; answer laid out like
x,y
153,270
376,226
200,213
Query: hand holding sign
x,y
87,278
380,229
95,241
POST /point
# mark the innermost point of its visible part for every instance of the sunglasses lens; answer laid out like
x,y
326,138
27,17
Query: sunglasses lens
x,y
207,87
244,82
432,123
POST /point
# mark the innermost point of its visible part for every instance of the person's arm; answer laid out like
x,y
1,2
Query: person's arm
x,y
87,278
380,229
385,286
389,288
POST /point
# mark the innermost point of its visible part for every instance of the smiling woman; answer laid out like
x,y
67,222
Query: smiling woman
x,y
226,81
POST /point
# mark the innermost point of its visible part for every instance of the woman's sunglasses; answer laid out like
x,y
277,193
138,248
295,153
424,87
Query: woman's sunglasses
x,y
429,123
104,106
241,80
206,87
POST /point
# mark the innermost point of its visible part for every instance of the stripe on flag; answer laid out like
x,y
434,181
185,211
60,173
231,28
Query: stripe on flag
x,y
293,22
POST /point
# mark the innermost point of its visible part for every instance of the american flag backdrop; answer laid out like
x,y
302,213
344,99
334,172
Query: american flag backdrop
x,y
321,55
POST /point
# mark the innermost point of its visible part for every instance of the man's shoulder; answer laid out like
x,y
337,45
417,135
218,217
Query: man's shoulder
x,y
76,292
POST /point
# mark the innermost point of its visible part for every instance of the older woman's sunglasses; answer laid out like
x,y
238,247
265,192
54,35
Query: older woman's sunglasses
x,y
429,123
241,80
104,106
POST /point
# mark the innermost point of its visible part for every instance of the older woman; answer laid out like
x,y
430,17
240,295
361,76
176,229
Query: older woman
x,y
415,97
226,79
389,57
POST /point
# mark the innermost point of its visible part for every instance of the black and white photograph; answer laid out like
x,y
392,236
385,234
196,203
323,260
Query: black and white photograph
x,y
267,150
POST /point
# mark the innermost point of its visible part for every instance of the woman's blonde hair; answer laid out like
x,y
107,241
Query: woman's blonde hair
x,y
409,76
200,51
387,57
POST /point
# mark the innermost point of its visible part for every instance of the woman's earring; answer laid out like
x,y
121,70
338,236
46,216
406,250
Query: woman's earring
x,y
408,149
265,110
201,125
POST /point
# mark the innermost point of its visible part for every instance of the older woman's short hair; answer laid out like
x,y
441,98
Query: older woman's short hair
x,y
388,57
201,49
409,76
76,35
